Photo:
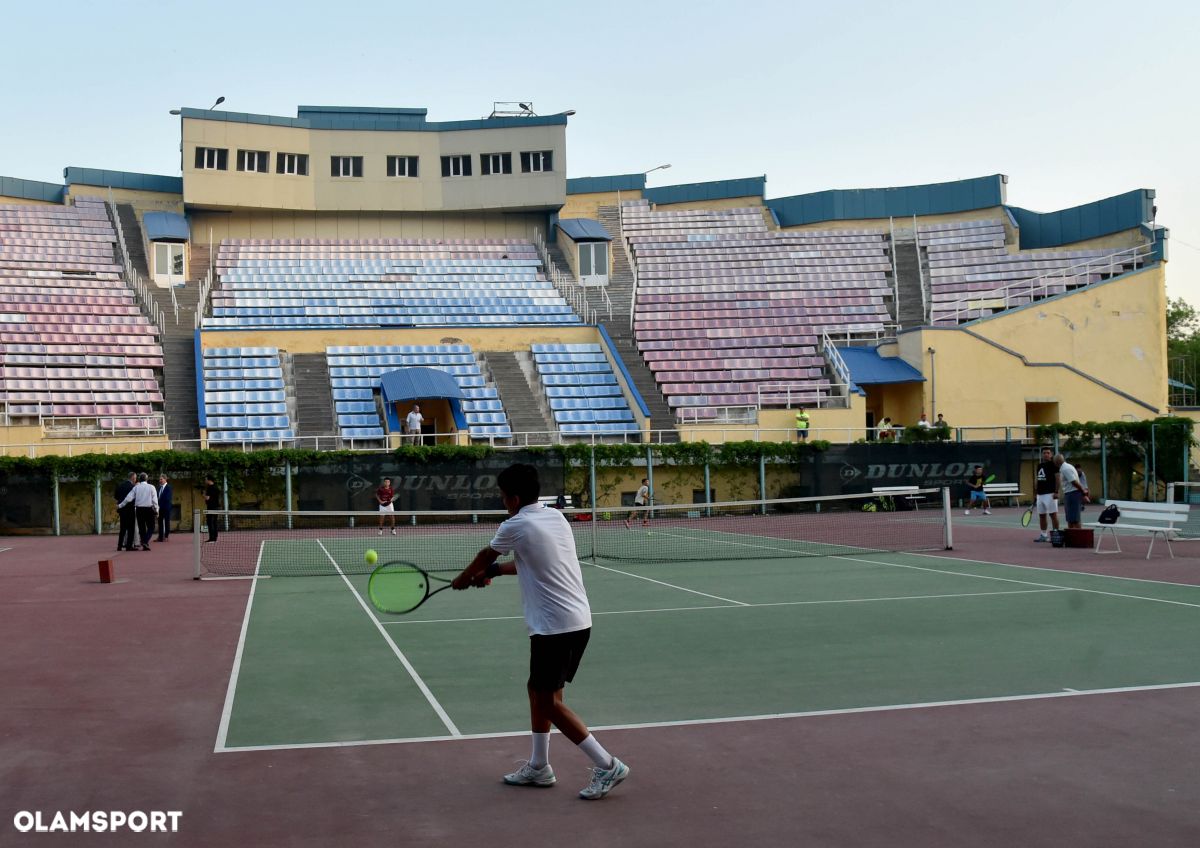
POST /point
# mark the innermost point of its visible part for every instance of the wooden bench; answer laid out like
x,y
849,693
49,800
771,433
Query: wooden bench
x,y
1157,519
909,493
1009,491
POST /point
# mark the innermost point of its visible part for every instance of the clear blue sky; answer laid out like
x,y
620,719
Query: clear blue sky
x,y
1074,101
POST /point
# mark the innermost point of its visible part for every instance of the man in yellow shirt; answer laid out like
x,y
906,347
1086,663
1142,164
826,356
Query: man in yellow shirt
x,y
802,425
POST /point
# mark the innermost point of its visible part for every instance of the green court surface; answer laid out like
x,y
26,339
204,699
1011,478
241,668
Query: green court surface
x,y
691,642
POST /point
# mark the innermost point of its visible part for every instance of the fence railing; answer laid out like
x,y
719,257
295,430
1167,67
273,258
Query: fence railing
x,y
132,278
835,360
788,395
569,288
1045,285
206,286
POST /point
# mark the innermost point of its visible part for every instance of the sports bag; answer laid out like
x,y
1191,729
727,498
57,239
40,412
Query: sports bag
x,y
1057,539
1109,514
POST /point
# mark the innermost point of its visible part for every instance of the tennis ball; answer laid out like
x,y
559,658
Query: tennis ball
x,y
371,557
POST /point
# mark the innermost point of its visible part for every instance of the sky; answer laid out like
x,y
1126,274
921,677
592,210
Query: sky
x,y
1074,101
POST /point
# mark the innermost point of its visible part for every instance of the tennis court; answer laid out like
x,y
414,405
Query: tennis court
x,y
697,619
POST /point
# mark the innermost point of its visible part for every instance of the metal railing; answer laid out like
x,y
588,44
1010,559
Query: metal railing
x,y
568,287
84,426
712,415
132,278
895,271
787,395
926,297
633,272
1040,287
834,356
206,286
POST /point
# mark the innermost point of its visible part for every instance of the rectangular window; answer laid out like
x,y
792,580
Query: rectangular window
x,y
537,161
212,159
292,163
456,166
495,163
402,166
345,166
253,160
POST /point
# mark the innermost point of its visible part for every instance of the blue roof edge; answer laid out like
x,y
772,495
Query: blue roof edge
x,y
32,189
74,175
390,120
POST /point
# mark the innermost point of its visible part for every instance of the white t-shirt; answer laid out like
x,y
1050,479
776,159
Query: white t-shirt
x,y
642,497
548,571
1069,476
413,421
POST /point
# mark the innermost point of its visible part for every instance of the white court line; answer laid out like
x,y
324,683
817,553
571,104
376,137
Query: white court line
x,y
2,550
747,606
1060,570
978,576
433,702
668,585
227,709
1000,699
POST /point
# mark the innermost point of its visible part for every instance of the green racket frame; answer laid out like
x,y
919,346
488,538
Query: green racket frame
x,y
398,586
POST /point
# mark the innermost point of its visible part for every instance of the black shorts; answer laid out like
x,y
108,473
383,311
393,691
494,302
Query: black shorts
x,y
553,660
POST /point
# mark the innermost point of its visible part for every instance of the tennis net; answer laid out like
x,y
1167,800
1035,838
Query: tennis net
x,y
331,543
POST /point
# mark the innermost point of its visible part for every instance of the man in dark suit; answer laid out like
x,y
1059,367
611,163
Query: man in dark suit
x,y
212,500
164,508
127,515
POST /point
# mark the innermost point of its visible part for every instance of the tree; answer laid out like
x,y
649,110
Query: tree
x,y
1182,320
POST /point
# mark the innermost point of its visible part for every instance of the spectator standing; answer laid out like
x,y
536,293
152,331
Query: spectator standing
x,y
1045,487
384,496
126,515
1074,494
165,506
924,422
212,502
412,424
802,425
145,501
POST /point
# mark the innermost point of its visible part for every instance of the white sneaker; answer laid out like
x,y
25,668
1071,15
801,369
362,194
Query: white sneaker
x,y
987,512
393,531
380,531
527,775
967,512
604,781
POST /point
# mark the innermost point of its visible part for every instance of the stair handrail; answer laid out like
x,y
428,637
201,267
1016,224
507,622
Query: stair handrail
x,y
834,356
206,285
628,260
895,270
174,303
132,277
925,298
570,291
1109,263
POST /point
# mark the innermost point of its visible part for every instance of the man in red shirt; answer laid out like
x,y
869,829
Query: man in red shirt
x,y
384,495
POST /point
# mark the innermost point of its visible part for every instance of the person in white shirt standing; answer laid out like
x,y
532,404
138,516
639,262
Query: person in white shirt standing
x,y
559,620
642,498
1074,492
412,424
144,498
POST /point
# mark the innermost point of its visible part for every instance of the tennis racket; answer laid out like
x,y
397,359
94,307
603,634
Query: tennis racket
x,y
1026,517
400,587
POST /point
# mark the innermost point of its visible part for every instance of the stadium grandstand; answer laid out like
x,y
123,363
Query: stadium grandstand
x,y
306,281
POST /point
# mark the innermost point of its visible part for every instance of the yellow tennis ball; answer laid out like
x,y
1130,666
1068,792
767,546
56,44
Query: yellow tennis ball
x,y
371,557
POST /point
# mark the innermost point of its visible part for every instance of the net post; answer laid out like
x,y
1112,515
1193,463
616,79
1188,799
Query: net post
x,y
762,482
592,475
195,544
947,512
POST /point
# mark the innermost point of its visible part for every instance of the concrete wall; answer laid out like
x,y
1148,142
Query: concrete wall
x,y
374,190
588,205
25,201
262,224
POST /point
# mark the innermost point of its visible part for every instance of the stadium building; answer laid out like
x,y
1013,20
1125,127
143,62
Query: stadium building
x,y
309,279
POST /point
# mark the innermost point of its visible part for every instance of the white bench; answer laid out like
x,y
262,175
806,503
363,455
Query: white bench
x,y
1157,519
552,500
1009,491
909,493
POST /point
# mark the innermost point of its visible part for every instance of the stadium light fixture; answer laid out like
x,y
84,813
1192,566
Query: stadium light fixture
x,y
220,100
656,168
176,111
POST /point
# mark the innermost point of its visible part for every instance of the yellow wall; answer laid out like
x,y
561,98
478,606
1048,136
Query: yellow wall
x,y
261,224
25,201
14,441
479,338
1112,332
142,201
779,425
374,190
588,205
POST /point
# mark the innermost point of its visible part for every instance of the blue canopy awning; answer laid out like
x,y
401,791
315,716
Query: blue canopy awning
x,y
583,229
868,368
165,226
417,383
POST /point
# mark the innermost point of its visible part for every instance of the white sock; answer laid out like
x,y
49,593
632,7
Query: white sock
x,y
541,750
596,752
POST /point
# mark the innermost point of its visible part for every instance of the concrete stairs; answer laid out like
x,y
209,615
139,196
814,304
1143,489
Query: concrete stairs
x,y
906,261
314,399
131,229
620,291
526,408
179,360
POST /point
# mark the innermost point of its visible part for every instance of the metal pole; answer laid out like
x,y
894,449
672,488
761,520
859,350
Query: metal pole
x,y
762,482
650,477
287,491
592,475
1153,478
195,544
57,526
707,490
946,513
99,512
225,497
1104,467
